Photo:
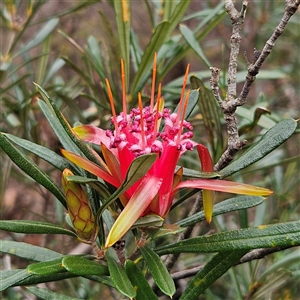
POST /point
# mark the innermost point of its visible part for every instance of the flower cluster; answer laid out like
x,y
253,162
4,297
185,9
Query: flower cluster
x,y
145,130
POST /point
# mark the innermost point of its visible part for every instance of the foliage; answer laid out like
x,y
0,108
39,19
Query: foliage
x,y
93,202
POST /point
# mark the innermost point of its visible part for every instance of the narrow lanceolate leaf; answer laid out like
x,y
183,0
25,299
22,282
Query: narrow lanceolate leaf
x,y
158,271
59,120
122,9
13,279
188,35
273,138
136,276
41,35
28,251
119,277
36,279
46,267
24,226
138,168
161,34
30,168
82,266
232,204
43,293
48,155
158,37
57,127
94,183
213,270
265,236
193,100
210,112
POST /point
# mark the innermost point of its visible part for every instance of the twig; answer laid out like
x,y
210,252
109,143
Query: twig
x,y
231,101
237,19
253,69
253,255
171,259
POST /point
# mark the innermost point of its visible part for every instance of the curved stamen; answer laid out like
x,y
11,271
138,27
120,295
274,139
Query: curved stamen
x,y
156,125
182,117
182,93
153,83
123,88
142,120
111,100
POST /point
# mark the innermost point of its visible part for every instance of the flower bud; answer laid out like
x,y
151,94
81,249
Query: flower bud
x,y
79,209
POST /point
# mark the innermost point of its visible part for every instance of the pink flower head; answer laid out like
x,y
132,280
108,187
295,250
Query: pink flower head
x,y
137,133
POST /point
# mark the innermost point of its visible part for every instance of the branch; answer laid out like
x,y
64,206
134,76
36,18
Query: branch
x,y
237,19
231,101
253,69
171,259
253,255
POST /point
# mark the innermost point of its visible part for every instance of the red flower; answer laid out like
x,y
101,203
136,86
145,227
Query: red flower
x,y
138,133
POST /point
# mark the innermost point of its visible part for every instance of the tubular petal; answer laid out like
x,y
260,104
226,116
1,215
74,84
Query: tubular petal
x,y
90,166
92,134
112,163
225,186
208,197
139,201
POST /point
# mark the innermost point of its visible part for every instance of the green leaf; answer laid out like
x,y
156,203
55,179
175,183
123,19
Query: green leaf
x,y
43,293
122,9
163,231
149,220
143,72
265,236
119,277
58,128
94,183
137,278
161,34
272,139
82,266
46,267
196,174
56,65
137,169
273,284
65,131
178,13
211,20
40,36
193,100
28,251
24,226
36,279
27,23
13,279
282,263
48,155
30,168
94,55
210,112
259,111
213,270
188,35
15,83
158,271
232,204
